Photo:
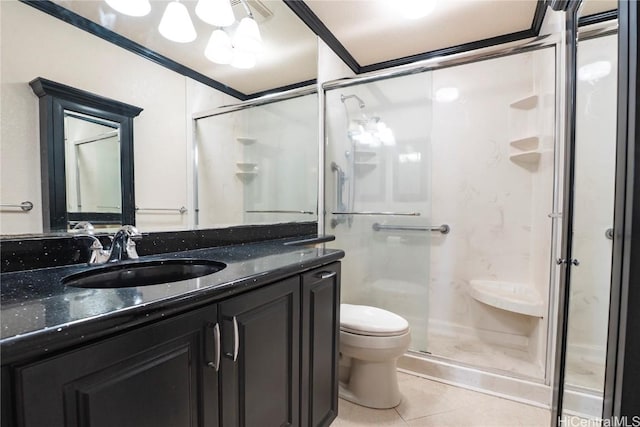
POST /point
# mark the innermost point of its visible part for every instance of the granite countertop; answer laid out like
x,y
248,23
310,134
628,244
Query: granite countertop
x,y
40,315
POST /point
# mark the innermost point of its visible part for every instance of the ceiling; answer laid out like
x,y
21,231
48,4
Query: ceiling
x,y
360,25
287,40
367,34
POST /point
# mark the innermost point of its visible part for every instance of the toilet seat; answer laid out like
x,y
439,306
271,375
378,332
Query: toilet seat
x,y
371,321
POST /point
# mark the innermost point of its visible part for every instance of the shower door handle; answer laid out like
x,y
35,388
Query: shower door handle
x,y
571,261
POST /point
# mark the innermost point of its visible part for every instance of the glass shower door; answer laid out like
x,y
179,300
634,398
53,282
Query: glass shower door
x,y
377,198
592,240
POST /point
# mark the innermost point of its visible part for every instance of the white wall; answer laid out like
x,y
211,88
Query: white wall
x,y
35,44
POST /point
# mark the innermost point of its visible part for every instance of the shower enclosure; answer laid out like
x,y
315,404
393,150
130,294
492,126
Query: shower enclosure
x,y
439,186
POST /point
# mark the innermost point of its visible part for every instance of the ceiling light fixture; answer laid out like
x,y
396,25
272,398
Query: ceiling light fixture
x,y
247,37
131,7
176,24
594,71
219,49
215,12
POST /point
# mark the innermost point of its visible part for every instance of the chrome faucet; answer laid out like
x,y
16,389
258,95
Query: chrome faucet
x,y
123,246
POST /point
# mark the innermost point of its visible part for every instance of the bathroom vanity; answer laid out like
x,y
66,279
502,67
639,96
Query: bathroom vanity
x,y
255,344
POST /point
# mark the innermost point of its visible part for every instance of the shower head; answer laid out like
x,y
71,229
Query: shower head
x,y
344,98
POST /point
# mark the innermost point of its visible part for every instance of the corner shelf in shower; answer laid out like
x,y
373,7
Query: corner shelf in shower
x,y
526,150
246,175
526,144
366,165
364,155
528,103
246,166
530,157
518,298
245,140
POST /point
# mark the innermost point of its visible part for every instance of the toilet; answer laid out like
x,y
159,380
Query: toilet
x,y
371,341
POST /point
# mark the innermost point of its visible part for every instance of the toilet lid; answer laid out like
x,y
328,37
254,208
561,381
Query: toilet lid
x,y
372,321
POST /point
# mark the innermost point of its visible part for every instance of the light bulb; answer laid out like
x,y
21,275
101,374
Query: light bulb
x,y
447,94
247,37
242,59
131,7
594,71
176,24
219,49
215,12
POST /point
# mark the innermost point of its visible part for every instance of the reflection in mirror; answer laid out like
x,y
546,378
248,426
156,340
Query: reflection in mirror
x,y
592,245
271,172
92,153
86,148
169,92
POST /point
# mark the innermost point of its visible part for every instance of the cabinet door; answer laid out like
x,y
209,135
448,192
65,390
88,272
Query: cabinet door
x,y
155,376
321,326
261,361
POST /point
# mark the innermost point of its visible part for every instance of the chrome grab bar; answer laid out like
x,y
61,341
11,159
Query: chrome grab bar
x,y
283,211
25,206
444,228
378,213
181,209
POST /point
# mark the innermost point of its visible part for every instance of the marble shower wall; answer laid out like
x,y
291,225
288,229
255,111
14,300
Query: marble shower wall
x,y
497,207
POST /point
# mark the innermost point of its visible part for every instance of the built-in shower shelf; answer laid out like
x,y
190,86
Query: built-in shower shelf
x,y
246,174
531,143
245,140
509,296
528,103
246,166
364,155
366,164
529,157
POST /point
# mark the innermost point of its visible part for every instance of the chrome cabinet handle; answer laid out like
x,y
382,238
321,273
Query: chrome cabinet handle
x,y
216,342
216,336
325,274
236,339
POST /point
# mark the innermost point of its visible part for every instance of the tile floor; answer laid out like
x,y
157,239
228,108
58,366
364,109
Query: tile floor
x,y
428,403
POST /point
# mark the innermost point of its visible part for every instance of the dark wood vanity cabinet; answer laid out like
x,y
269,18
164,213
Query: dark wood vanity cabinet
x,y
277,366
157,375
321,323
260,366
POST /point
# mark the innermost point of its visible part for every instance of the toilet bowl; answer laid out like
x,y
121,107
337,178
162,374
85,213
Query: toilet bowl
x,y
371,341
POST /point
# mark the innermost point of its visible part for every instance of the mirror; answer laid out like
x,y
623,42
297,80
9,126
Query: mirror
x,y
92,159
169,95
272,175
86,147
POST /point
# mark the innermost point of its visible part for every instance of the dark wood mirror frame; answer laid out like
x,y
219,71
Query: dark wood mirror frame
x,y
54,100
